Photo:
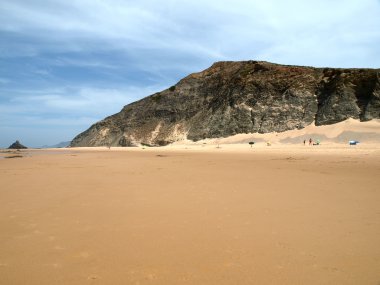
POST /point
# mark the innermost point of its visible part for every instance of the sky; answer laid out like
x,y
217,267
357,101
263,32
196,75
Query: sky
x,y
65,65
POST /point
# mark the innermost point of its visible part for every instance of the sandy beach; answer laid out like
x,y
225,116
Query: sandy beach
x,y
189,142
191,214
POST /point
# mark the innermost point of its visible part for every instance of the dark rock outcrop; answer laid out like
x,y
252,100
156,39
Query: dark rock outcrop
x,y
241,97
17,145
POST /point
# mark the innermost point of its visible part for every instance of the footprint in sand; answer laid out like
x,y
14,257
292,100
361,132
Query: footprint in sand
x,y
30,226
231,264
93,277
151,276
54,265
84,254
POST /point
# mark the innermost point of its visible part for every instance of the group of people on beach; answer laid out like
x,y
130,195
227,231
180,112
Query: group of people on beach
x,y
311,142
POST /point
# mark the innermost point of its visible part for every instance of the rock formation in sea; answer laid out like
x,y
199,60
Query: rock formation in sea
x,y
241,97
17,145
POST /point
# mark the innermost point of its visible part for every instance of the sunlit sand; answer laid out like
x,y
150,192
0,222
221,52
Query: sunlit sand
x,y
192,213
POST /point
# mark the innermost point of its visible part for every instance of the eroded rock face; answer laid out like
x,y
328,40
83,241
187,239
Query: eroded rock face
x,y
241,97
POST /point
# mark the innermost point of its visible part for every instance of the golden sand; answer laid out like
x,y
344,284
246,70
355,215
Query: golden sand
x,y
191,214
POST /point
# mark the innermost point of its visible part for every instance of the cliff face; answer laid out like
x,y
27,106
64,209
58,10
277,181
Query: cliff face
x,y
241,97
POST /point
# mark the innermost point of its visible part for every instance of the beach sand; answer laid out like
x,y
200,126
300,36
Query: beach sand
x,y
191,214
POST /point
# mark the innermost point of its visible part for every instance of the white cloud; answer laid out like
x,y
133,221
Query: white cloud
x,y
210,29
77,100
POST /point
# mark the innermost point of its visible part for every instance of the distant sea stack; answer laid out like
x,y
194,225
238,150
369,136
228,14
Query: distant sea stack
x,y
17,145
241,97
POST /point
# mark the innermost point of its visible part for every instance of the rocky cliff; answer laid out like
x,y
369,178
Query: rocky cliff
x,y
241,97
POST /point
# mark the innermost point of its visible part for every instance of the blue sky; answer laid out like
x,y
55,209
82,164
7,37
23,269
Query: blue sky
x,y
66,64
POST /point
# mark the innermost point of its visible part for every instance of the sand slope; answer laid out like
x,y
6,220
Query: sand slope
x,y
365,132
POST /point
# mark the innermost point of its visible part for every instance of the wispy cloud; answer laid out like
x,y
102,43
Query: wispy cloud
x,y
91,63
80,101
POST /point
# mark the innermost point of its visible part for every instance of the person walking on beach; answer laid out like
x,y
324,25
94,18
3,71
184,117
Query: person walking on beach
x,y
304,142
310,141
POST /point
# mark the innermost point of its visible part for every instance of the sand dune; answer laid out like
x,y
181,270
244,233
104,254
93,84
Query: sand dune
x,y
366,132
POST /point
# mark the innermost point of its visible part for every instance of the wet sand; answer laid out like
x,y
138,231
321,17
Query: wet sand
x,y
191,215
